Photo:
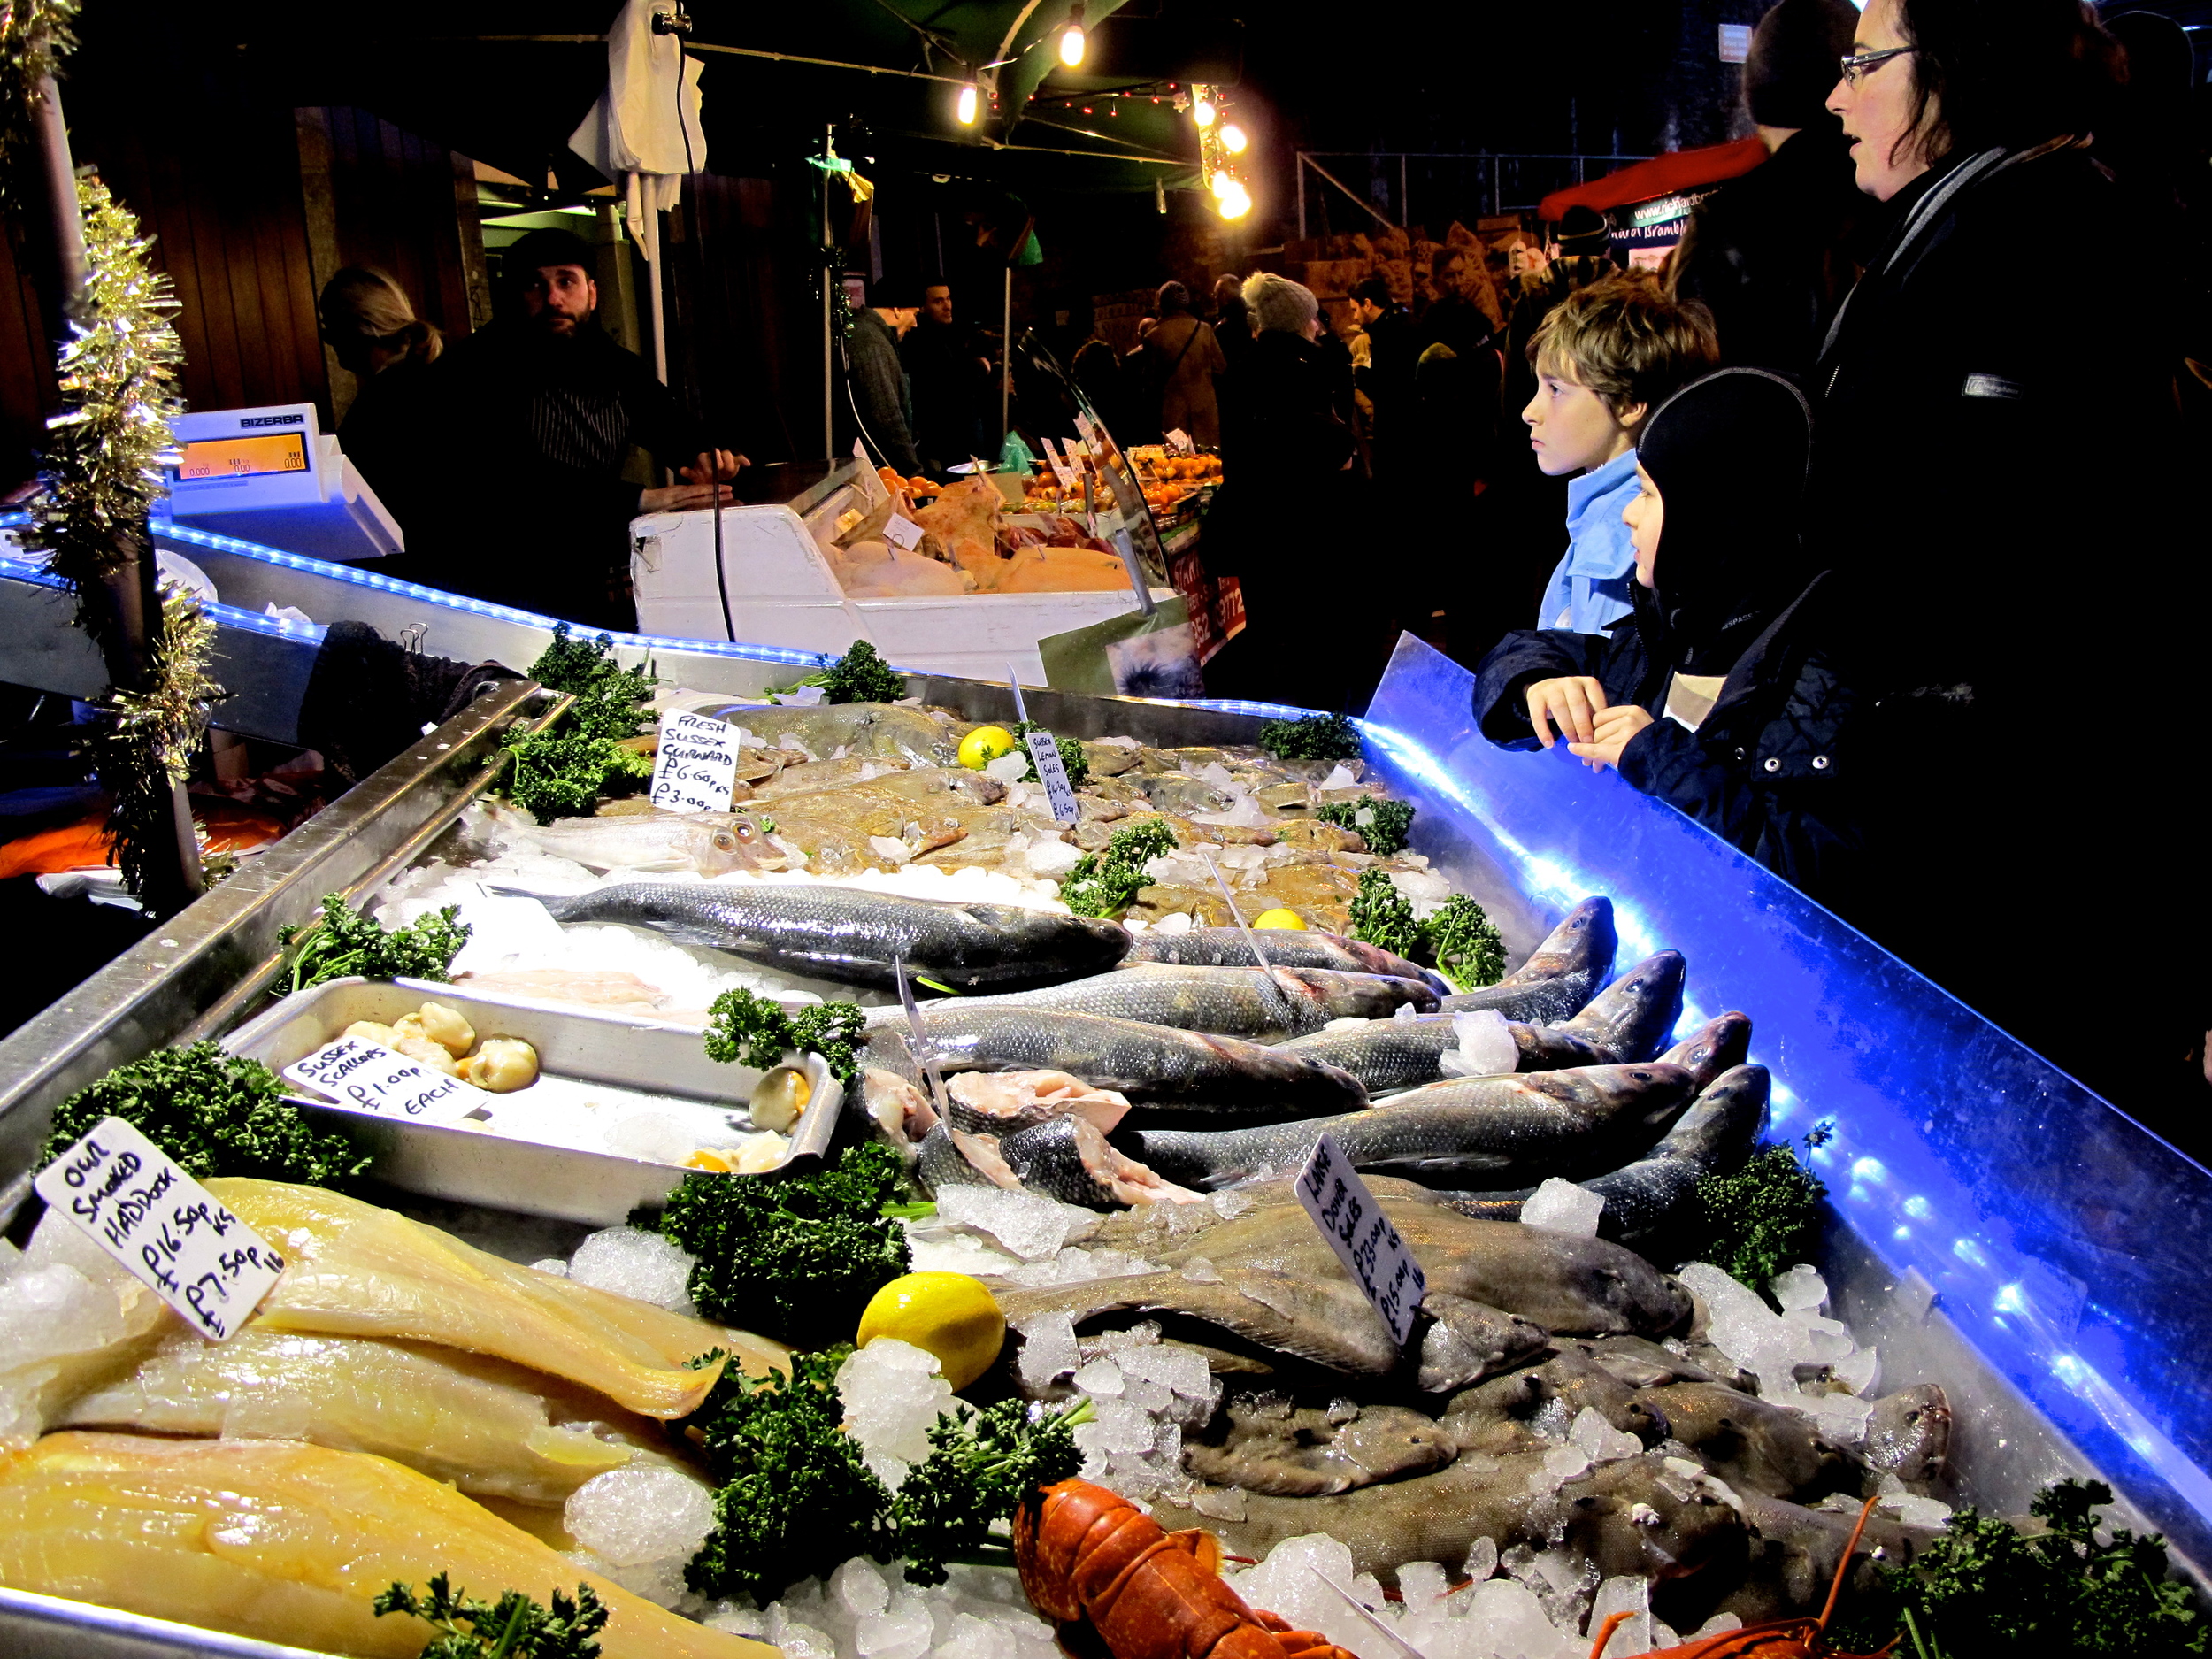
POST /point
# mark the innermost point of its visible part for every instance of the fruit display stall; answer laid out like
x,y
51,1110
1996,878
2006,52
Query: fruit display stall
x,y
1651,1390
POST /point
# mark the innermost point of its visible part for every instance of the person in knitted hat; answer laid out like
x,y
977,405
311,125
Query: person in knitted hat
x,y
1768,252
1718,693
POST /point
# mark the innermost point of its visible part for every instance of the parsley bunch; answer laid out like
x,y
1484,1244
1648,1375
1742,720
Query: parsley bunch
x,y
794,1492
859,676
980,1464
1101,884
513,1627
1381,915
564,775
1982,1587
743,1029
342,941
1314,737
609,699
794,1258
1464,943
1754,1223
1382,825
213,1112
1072,754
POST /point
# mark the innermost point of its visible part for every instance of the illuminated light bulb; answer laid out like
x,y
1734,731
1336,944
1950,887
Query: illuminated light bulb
x,y
965,108
1073,42
1235,202
1232,138
1203,111
1221,184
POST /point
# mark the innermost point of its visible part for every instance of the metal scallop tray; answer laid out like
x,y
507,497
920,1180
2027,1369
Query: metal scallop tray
x,y
578,1050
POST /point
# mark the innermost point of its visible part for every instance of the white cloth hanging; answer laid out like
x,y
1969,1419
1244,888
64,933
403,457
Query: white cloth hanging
x,y
644,132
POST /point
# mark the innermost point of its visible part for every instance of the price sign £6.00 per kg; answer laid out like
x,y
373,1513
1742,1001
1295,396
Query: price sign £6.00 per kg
x,y
1342,1206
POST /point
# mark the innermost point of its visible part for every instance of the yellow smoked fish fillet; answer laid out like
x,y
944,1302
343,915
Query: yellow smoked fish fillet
x,y
490,1427
288,1542
355,1270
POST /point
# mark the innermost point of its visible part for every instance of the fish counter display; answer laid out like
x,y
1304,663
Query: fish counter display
x,y
1049,1283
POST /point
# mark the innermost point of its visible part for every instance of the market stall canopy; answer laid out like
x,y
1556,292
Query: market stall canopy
x,y
1676,171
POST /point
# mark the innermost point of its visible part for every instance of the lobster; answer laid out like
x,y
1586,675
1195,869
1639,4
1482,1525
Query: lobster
x,y
1781,1638
1087,1556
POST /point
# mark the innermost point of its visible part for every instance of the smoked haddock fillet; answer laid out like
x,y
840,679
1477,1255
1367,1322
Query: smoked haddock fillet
x,y
358,1271
490,1427
286,1542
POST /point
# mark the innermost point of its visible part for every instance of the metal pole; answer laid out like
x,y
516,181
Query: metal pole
x,y
173,876
1405,197
1006,360
829,375
1301,196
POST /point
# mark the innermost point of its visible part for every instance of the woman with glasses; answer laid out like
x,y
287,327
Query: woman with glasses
x,y
1990,464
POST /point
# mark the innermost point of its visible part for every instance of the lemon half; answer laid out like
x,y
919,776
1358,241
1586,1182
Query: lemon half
x,y
949,1315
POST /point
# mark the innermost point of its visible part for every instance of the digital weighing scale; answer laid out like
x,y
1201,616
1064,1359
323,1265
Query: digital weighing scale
x,y
272,476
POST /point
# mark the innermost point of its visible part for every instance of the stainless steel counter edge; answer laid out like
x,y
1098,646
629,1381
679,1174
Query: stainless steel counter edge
x,y
212,959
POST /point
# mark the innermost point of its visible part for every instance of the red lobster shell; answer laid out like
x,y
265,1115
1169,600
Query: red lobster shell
x,y
1086,1554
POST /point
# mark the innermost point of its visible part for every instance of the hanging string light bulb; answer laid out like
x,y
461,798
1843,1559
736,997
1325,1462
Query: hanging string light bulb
x,y
965,108
1203,108
1073,40
1232,138
1235,201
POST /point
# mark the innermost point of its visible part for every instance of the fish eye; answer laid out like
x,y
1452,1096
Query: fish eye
x,y
725,841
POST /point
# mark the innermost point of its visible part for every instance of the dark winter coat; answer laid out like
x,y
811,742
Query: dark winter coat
x,y
1973,462
1769,253
1394,346
880,393
548,424
1773,770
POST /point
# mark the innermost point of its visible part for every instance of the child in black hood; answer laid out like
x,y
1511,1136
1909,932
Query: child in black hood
x,y
1715,695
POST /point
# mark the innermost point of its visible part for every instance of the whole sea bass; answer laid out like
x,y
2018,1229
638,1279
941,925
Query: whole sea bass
x,y
1158,1068
1644,1198
1283,947
1627,1022
1229,1002
1449,1135
853,936
1560,977
708,843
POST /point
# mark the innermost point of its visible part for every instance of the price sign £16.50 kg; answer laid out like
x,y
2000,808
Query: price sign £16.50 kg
x,y
128,1196
1349,1217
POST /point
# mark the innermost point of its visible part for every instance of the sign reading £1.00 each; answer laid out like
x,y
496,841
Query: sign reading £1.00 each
x,y
1361,1236
1061,470
1052,771
1178,441
903,531
696,769
373,1079
131,1199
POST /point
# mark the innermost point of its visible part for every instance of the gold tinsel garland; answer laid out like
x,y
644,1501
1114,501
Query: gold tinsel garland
x,y
34,37
102,472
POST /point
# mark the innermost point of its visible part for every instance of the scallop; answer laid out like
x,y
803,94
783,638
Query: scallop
x,y
372,1031
436,1056
779,1097
440,1024
503,1066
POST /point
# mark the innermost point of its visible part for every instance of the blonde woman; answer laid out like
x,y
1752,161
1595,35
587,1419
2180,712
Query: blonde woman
x,y
371,326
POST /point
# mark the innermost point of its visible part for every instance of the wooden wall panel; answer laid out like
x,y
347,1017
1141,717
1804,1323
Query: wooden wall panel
x,y
744,335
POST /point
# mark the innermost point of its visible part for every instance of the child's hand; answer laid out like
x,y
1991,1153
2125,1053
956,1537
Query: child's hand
x,y
1572,702
1613,729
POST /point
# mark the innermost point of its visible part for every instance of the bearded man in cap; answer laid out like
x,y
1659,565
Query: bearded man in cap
x,y
1769,253
546,407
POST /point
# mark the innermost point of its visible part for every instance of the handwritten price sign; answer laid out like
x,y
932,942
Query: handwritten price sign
x,y
695,767
128,1196
357,1073
1362,1238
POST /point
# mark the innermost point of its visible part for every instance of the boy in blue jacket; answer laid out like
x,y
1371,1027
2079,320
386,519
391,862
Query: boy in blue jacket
x,y
1607,356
